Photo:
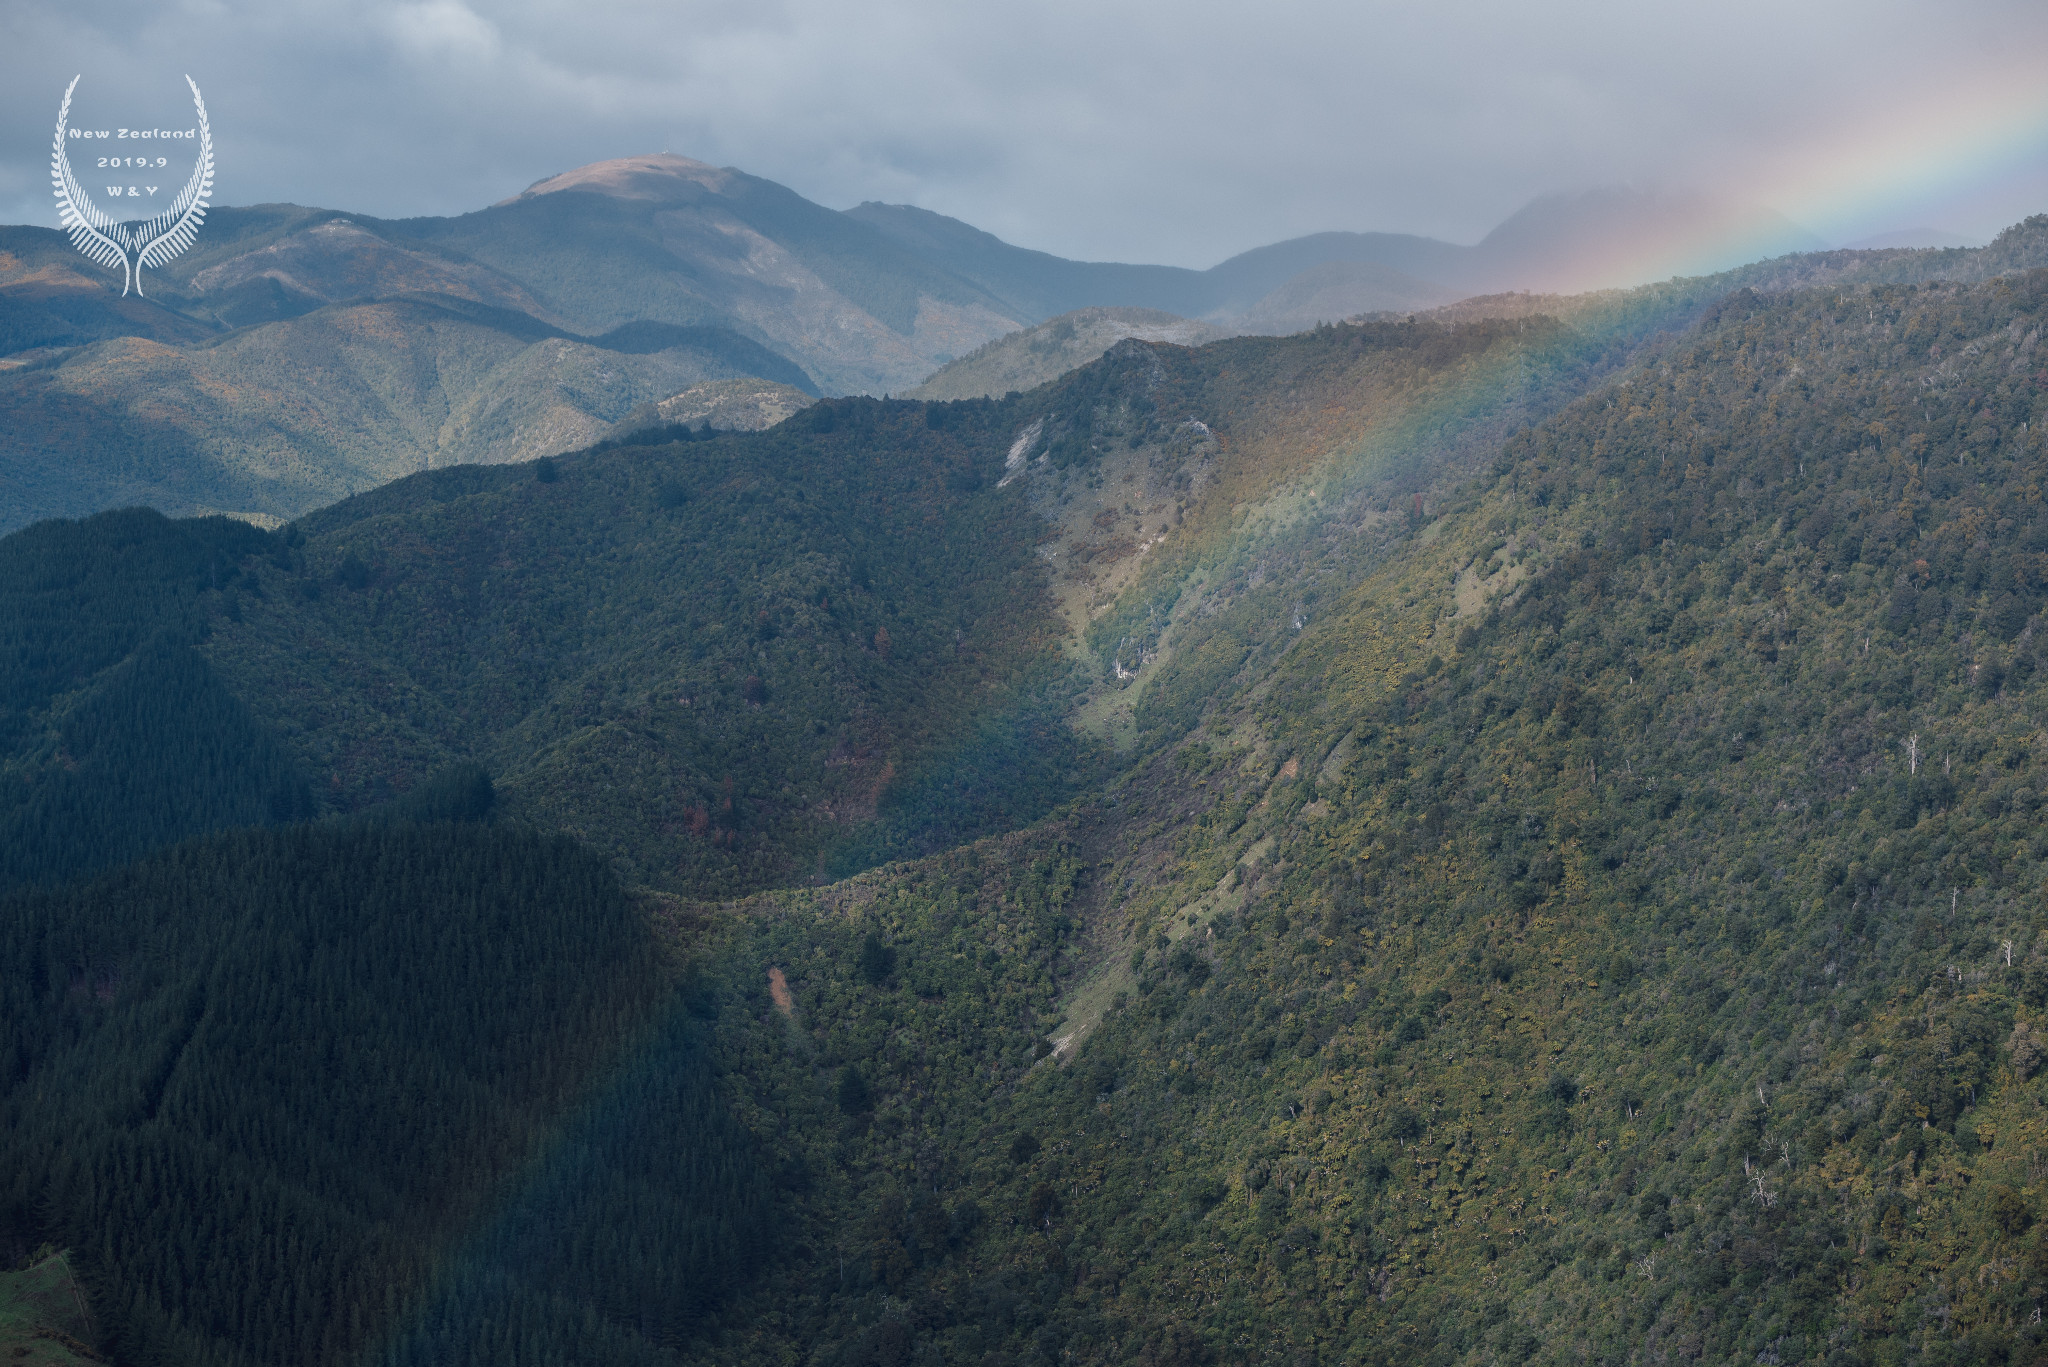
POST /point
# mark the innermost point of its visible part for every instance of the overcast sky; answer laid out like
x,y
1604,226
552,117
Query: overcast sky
x,y
1152,130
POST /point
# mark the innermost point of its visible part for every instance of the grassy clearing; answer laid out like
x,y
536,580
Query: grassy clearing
x,y
43,1315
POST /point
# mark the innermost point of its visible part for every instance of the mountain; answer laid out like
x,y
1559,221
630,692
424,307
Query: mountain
x,y
1034,356
268,421
1035,283
729,660
674,237
296,355
1506,833
1502,835
1561,243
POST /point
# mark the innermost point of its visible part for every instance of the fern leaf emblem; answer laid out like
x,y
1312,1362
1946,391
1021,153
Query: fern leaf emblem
x,y
128,247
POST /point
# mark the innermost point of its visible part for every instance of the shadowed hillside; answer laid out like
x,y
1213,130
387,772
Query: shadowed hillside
x,y
1506,835
420,1099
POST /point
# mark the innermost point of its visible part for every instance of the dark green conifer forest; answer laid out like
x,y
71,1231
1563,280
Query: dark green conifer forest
x,y
271,1086
1463,841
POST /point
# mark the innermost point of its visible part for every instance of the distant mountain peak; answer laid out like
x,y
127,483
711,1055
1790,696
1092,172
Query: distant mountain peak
x,y
658,176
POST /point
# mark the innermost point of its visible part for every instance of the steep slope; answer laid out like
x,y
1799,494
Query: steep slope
x,y
597,638
759,659
725,662
1571,890
1609,926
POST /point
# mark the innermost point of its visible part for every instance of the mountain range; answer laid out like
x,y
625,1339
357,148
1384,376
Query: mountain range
x,y
1501,830
1502,834
296,355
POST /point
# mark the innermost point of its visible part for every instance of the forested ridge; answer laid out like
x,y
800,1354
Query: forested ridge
x,y
1573,892
726,662
1610,931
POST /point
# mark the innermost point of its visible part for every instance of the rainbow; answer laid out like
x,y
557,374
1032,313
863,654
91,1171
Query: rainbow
x,y
1976,146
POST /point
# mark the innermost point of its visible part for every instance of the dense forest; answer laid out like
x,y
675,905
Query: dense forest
x,y
727,662
266,1100
118,738
1611,931
1572,890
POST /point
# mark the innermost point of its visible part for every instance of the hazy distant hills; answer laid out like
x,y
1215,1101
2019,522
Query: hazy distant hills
x,y
1339,289
296,354
1040,284
274,420
1027,359
1562,243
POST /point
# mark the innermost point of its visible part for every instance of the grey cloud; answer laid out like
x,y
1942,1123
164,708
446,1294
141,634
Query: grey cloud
x,y
1146,130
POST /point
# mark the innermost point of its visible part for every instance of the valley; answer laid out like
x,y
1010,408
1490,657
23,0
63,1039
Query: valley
x,y
1501,830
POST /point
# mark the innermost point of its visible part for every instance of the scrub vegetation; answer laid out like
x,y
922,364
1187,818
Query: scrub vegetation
x,y
1570,889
